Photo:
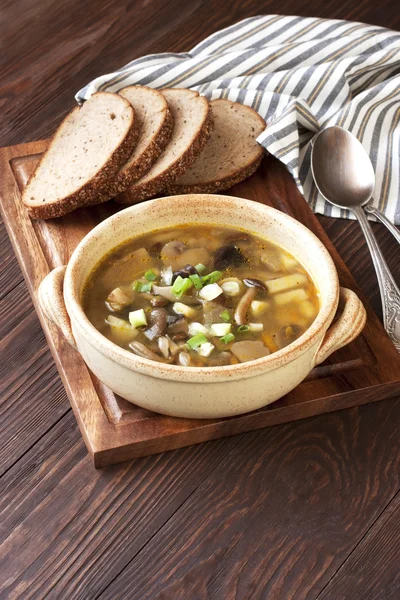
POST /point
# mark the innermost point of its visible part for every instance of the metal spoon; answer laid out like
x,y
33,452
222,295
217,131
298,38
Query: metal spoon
x,y
344,176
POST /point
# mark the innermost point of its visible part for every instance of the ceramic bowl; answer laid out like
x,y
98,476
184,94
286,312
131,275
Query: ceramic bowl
x,y
206,392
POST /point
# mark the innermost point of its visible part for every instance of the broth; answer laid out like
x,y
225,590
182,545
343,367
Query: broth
x,y
199,295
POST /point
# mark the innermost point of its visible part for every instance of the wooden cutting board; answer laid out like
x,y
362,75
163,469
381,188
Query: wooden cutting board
x,y
114,430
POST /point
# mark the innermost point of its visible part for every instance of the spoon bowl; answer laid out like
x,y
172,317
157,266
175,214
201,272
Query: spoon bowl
x,y
342,169
344,176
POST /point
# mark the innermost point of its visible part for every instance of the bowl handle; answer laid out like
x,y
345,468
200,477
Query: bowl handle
x,y
51,301
349,325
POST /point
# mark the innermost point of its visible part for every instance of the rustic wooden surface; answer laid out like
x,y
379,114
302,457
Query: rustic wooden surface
x,y
302,510
366,370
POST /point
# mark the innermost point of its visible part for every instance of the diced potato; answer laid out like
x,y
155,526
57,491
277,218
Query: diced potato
x,y
258,307
287,282
256,327
307,309
288,261
195,328
293,296
220,329
205,349
122,331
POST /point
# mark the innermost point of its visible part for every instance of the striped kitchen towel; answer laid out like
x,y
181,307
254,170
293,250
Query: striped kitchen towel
x,y
301,75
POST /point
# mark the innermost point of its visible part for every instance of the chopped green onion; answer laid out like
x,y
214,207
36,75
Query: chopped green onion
x,y
243,328
195,279
137,318
197,340
210,292
150,275
211,277
225,316
200,268
220,329
227,339
142,286
181,286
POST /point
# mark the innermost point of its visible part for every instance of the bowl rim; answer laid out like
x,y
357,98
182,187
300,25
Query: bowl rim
x,y
199,374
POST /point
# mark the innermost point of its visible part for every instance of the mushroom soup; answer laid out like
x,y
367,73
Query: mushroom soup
x,y
200,295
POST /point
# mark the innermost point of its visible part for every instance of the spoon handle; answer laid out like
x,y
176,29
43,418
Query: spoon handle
x,y
390,293
374,211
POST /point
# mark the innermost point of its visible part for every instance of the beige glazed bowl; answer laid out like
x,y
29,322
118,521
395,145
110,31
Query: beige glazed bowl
x,y
202,392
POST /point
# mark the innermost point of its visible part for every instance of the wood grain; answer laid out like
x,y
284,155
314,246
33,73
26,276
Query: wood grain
x,y
23,417
49,50
60,517
367,572
367,370
255,529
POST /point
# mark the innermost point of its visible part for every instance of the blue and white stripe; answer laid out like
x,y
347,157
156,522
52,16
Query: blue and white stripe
x,y
301,75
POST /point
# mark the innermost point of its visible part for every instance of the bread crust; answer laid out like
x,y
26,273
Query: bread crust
x,y
237,175
91,192
127,177
152,188
220,185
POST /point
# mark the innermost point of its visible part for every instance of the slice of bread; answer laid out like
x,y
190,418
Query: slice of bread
x,y
193,124
155,126
231,155
86,151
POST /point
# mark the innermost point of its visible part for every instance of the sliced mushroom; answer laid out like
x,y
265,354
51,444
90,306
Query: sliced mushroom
x,y
249,350
272,261
158,301
212,311
141,350
157,319
173,347
192,256
171,250
184,273
179,326
220,359
174,318
166,275
228,256
177,254
180,338
255,283
163,344
244,305
137,256
166,292
184,359
117,300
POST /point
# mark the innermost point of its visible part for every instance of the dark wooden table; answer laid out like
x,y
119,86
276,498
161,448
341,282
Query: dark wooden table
x,y
303,510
